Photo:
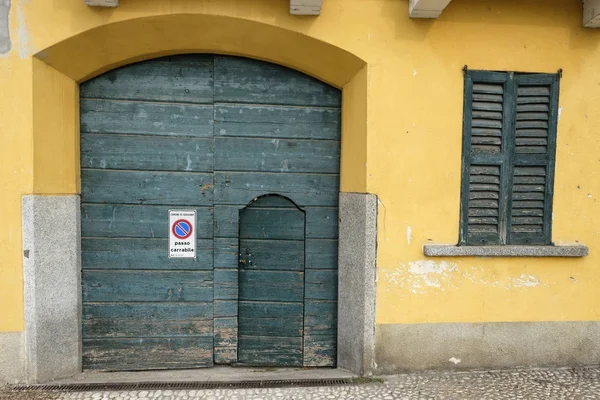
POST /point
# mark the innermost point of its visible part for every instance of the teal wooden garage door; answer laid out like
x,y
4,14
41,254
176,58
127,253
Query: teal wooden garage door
x,y
244,143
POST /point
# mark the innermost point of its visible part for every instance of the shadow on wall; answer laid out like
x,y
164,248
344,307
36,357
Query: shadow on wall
x,y
490,15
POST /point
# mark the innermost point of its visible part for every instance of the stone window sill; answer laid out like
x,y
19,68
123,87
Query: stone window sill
x,y
448,250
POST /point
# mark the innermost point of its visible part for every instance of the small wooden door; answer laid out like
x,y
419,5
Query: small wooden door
x,y
271,283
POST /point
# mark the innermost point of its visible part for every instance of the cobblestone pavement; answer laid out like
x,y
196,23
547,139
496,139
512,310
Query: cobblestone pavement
x,y
546,384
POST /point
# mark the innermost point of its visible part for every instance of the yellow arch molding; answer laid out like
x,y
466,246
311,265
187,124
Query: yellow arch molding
x,y
58,69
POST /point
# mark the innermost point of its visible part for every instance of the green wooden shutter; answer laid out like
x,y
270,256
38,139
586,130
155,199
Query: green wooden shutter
x,y
533,159
485,157
509,143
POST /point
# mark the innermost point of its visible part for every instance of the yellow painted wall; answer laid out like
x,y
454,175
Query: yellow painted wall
x,y
402,127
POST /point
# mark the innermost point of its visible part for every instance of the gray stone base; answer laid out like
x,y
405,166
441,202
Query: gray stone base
x,y
12,367
51,272
356,291
413,347
5,44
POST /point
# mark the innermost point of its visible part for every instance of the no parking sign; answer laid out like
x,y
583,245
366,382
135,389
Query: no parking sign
x,y
182,233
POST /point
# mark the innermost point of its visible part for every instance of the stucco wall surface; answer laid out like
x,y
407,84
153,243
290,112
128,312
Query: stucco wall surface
x,y
403,87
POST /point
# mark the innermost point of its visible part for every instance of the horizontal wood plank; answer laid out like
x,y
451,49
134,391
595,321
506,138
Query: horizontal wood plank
x,y
144,187
226,252
141,118
321,254
146,319
277,122
277,155
226,308
321,284
320,351
148,353
227,220
226,332
242,80
152,286
181,78
320,317
302,189
270,351
135,254
272,254
322,222
225,355
226,284
257,285
108,220
134,152
270,319
275,223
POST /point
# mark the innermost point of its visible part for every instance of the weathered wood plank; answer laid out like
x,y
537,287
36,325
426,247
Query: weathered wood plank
x,y
528,196
302,189
226,332
532,212
142,187
487,97
486,132
538,125
271,223
277,155
227,220
321,253
321,284
108,220
273,254
492,115
146,319
225,355
226,284
488,88
226,253
226,308
148,353
320,351
277,122
487,106
538,229
523,90
320,317
141,118
242,80
322,222
270,351
159,153
271,319
134,254
271,285
486,123
185,78
153,286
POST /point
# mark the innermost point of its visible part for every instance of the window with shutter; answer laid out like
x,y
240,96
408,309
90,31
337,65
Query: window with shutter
x,y
509,145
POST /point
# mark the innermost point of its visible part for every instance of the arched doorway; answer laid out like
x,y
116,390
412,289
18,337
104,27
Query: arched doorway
x,y
208,133
272,291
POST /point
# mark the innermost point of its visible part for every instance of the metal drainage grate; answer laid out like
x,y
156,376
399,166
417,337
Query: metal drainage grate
x,y
116,387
